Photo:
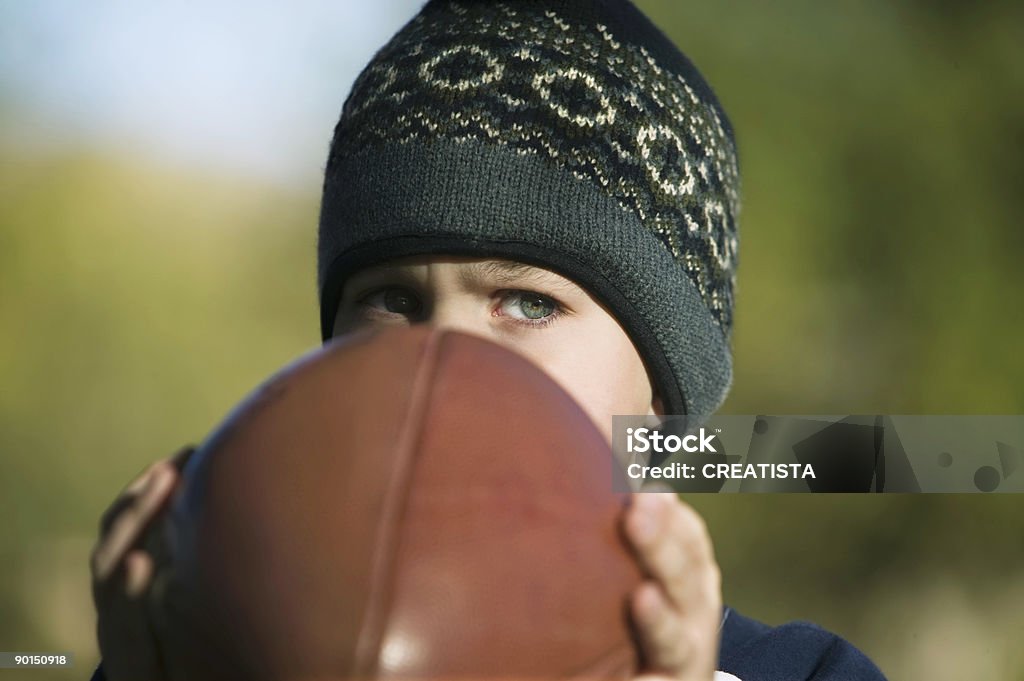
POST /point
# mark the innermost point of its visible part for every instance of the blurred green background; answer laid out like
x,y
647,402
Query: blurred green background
x,y
157,261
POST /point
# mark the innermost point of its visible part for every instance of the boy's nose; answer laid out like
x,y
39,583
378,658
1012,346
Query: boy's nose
x,y
457,317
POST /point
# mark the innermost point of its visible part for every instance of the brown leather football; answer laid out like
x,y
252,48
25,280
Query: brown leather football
x,y
412,503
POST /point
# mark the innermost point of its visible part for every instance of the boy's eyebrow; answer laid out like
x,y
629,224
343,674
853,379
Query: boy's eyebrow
x,y
374,274
508,272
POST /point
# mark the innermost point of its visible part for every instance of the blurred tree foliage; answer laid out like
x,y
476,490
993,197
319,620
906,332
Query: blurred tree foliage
x,y
880,272
881,242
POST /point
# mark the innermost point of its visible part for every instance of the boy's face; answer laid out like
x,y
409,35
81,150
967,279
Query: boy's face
x,y
534,311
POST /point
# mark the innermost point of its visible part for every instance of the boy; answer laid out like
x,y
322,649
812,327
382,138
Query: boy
x,y
557,177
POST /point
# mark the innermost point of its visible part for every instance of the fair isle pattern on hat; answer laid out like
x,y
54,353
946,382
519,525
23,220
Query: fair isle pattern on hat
x,y
566,134
520,75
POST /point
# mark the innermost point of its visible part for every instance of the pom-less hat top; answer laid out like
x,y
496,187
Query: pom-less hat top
x,y
571,135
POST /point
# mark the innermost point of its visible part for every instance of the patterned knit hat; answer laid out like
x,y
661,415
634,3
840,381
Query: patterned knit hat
x,y
569,134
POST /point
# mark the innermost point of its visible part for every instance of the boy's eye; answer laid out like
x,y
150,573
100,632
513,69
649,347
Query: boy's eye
x,y
394,299
530,306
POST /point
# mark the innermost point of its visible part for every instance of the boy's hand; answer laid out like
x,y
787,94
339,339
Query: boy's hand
x,y
122,571
678,609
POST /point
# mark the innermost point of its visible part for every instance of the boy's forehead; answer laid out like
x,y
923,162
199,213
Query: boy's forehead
x,y
470,268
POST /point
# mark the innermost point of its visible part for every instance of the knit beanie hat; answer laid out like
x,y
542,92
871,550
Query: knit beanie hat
x,y
569,134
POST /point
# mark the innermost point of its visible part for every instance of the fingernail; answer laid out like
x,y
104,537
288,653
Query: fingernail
x,y
162,478
141,483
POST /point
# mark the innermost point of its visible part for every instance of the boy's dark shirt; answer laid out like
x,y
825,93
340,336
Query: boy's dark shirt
x,y
798,651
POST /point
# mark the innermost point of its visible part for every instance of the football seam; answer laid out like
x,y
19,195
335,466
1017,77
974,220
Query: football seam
x,y
367,657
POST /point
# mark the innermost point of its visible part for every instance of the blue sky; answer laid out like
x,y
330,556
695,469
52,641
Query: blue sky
x,y
252,87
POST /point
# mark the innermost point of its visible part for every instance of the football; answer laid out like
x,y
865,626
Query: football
x,y
408,503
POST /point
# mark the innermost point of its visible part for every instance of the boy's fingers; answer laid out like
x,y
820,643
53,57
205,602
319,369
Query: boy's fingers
x,y
127,498
676,612
128,525
135,487
678,646
644,521
659,630
123,572
672,544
